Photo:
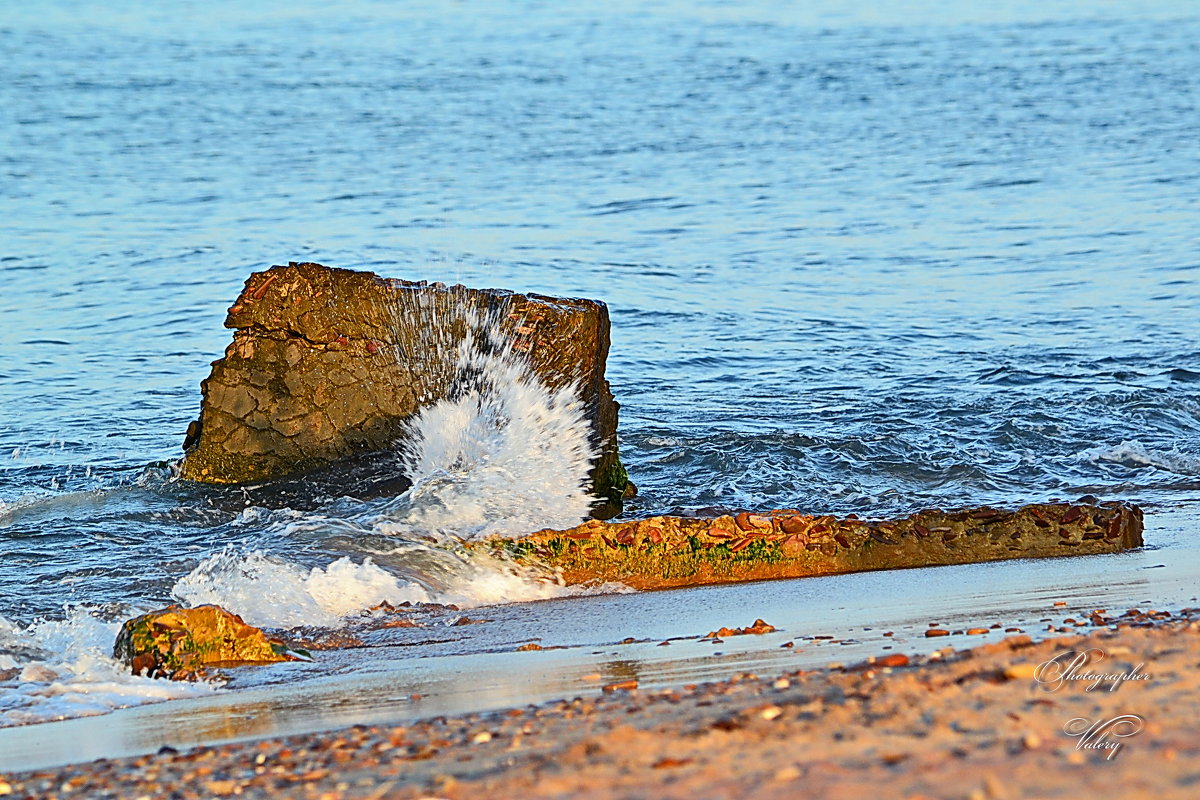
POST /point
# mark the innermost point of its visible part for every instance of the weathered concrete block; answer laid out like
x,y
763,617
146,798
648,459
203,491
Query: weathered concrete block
x,y
665,552
326,363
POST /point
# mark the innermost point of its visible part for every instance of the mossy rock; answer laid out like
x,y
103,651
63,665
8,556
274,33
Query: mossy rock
x,y
665,551
178,643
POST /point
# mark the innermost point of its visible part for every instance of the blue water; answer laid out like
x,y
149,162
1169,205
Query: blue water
x,y
857,259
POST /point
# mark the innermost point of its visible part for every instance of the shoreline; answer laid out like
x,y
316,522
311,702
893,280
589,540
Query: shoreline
x,y
970,723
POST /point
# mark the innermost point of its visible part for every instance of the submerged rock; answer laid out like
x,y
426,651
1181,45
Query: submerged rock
x,y
664,552
327,363
179,643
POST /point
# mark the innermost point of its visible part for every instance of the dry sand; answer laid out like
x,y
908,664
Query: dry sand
x,y
968,724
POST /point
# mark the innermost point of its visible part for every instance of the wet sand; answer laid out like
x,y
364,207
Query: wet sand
x,y
969,724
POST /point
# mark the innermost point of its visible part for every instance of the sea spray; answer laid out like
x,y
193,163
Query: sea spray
x,y
268,591
503,454
54,669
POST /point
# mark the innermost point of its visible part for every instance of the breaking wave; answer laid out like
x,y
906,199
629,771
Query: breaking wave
x,y
64,668
1135,454
268,591
504,454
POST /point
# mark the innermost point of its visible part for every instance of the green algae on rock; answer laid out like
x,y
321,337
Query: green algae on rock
x,y
179,643
327,363
665,552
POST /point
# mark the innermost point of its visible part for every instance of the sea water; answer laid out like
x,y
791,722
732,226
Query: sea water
x,y
858,259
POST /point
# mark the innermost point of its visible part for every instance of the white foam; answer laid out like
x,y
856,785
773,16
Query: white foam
x,y
506,456
1136,454
11,510
269,592
66,670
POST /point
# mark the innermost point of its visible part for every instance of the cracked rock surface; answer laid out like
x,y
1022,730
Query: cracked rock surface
x,y
327,363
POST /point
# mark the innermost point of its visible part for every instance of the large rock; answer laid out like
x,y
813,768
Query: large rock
x,y
664,552
179,643
327,363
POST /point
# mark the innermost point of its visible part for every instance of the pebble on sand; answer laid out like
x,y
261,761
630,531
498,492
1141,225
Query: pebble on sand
x,y
759,627
892,660
619,686
1020,672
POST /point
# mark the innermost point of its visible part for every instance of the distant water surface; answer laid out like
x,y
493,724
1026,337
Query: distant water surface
x,y
858,260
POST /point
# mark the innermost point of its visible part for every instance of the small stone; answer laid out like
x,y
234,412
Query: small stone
x,y
892,660
1031,741
782,683
482,737
976,631
1020,672
759,627
788,773
5,788
525,648
621,686
936,632
770,712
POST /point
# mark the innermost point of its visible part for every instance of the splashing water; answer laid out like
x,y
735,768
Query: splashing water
x,y
268,591
504,454
64,668
1134,454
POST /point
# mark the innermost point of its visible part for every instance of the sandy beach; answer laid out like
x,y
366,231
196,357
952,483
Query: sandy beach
x,y
995,721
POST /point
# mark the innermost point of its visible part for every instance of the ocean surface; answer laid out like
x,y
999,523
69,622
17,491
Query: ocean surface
x,y
857,260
